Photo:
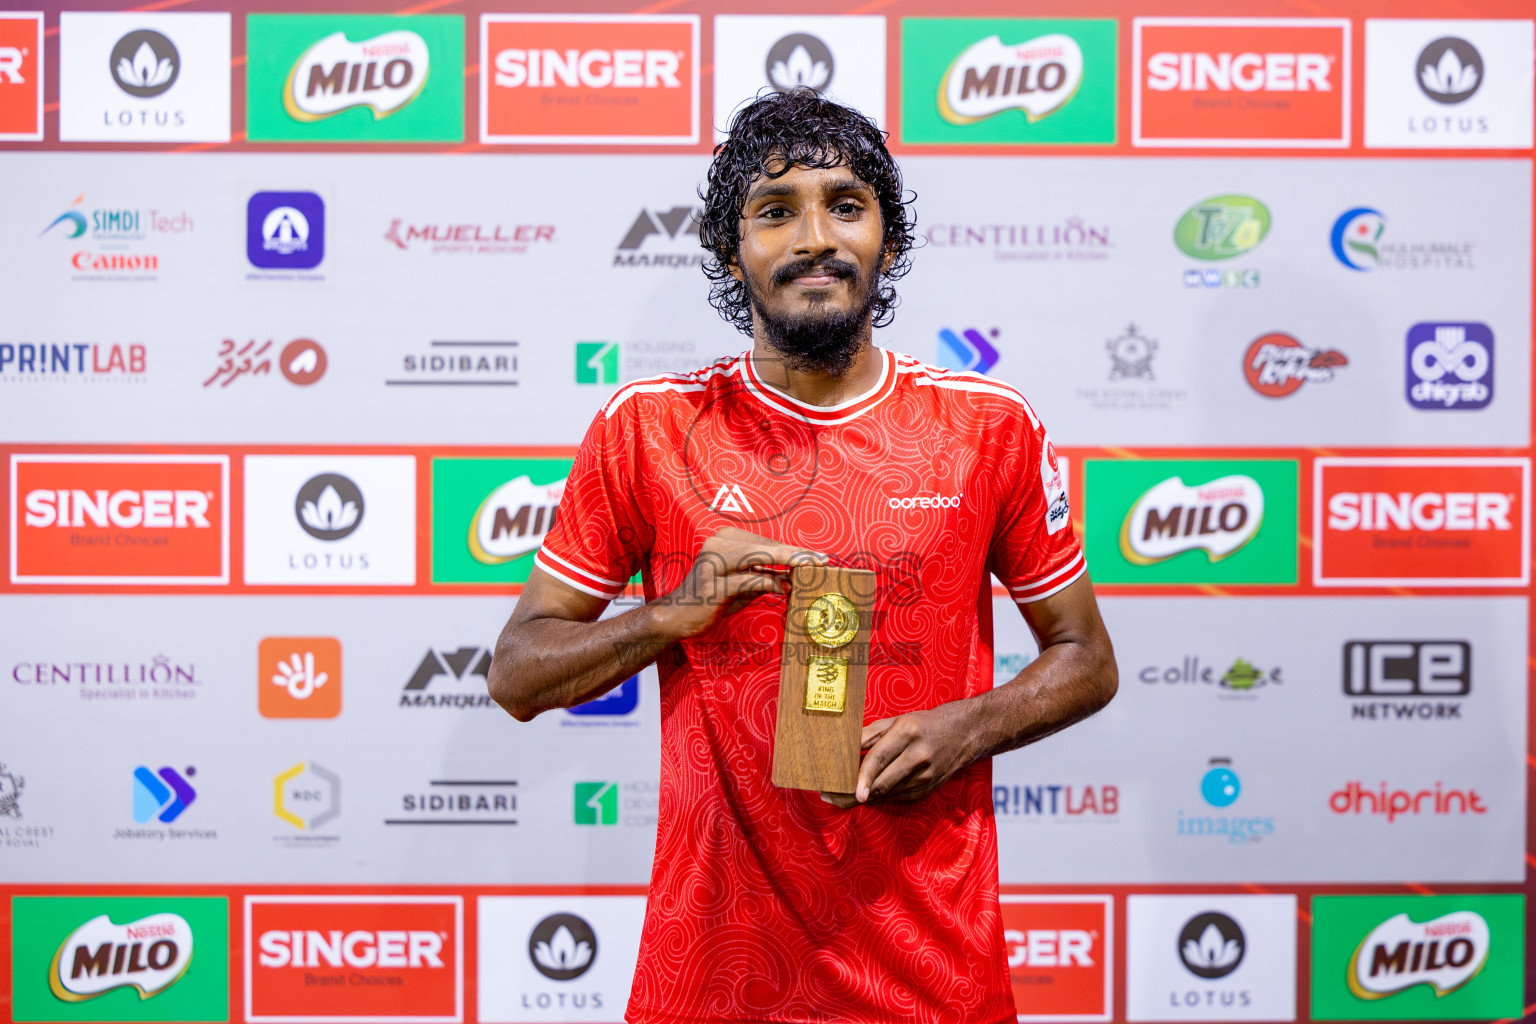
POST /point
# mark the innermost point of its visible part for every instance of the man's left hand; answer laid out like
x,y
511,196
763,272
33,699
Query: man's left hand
x,y
910,756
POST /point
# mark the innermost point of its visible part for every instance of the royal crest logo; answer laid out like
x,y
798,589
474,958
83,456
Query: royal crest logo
x,y
11,786
1218,517
150,955
1037,77
1399,953
1131,355
383,74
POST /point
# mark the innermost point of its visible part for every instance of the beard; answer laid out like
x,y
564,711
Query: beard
x,y
823,338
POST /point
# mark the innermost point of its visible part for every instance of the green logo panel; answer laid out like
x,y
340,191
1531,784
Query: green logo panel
x,y
68,966
1182,521
1008,80
354,78
597,362
1418,957
489,516
596,803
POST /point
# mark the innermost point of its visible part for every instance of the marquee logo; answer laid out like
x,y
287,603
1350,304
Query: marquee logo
x,y
1241,82
1060,953
150,955
1277,365
468,666
1171,518
1399,953
382,74
595,79
21,77
1037,76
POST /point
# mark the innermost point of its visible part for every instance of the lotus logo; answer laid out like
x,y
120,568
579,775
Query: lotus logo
x,y
1221,227
335,74
145,63
562,947
329,506
149,954
1037,77
1211,945
799,61
1171,518
512,521
1400,953
1356,237
1450,70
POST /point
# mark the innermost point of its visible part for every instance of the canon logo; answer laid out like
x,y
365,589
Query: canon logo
x,y
351,949
934,502
1246,72
595,69
1431,510
124,509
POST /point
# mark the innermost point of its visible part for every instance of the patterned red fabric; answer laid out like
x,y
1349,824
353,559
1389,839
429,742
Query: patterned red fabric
x,y
768,904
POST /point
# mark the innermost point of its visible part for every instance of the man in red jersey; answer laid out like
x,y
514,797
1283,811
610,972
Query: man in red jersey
x,y
769,904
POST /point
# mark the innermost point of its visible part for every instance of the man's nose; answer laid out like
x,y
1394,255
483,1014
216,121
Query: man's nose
x,y
814,236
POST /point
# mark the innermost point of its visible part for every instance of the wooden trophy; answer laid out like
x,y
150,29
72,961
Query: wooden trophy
x,y
821,678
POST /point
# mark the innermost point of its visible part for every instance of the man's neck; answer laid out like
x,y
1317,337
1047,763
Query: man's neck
x,y
817,387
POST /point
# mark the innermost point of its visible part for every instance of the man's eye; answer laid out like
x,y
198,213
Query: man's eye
x,y
776,212
847,208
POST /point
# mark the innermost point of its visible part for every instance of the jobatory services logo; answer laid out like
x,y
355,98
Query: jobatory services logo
x,y
114,243
1008,80
1240,82
1217,957
93,363
450,678
459,364
285,235
459,802
119,519
1361,241
489,516
661,238
124,958
968,350
306,796
610,80
1220,788
1407,680
395,959
355,78
301,362
144,77
563,957
1436,522
162,795
1448,84
1456,957
1277,365
839,56
298,677
1191,521
21,77
1060,953
1450,366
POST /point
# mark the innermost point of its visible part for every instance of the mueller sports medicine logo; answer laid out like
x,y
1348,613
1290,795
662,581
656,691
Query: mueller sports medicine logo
x,y
1037,76
119,519
1407,680
148,955
1447,522
1450,366
1241,82
1218,517
1444,954
21,77
475,238
363,958
1277,365
1060,952
593,79
382,74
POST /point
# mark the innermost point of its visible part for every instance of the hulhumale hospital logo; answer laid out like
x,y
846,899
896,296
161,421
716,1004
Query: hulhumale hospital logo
x,y
1220,790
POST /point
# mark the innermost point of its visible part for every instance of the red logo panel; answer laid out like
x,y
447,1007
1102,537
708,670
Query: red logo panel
x,y
1427,522
1060,956
21,76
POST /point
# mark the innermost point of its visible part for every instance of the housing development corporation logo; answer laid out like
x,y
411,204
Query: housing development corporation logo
x,y
1008,80
589,79
21,77
1241,82
1450,366
1277,365
1060,952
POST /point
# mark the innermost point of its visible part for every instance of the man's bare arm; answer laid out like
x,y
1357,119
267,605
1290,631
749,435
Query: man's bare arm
x,y
554,652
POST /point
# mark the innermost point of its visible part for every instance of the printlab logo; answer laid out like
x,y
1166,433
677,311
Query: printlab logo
x,y
1063,803
677,231
1450,366
302,362
74,361
1407,680
162,796
1211,945
968,350
1449,70
307,796
470,666
1277,365
145,63
299,677
285,231
562,947
597,362
329,506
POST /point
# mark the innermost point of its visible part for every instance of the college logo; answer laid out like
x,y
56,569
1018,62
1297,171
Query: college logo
x,y
1060,953
1240,678
1277,365
355,78
1221,227
298,677
839,56
285,230
135,77
489,516
1241,82
399,955
1383,677
1211,957
1421,522
1417,957
21,77
119,519
307,796
1450,366
161,796
1008,80
589,79
470,666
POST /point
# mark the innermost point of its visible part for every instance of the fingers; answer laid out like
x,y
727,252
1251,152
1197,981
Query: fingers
x,y
885,750
873,731
842,801
902,777
742,550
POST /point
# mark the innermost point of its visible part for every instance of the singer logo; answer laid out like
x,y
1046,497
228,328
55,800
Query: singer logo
x,y
614,79
1241,82
21,77
383,74
1425,522
124,519
1059,955
362,958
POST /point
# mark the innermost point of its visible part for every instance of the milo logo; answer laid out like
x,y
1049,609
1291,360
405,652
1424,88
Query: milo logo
x,y
1221,227
1399,953
150,955
1038,77
335,74
513,520
1172,517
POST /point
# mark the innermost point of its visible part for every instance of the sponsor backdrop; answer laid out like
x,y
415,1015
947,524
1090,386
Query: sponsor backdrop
x,y
305,310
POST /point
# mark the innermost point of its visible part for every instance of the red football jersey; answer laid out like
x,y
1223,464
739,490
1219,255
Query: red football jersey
x,y
768,904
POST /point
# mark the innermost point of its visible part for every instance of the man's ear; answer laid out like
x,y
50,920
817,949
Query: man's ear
x,y
734,269
887,260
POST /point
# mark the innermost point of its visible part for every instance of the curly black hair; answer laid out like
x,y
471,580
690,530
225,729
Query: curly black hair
x,y
774,133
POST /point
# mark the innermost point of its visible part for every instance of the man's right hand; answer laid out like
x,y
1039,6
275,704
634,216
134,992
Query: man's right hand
x,y
733,568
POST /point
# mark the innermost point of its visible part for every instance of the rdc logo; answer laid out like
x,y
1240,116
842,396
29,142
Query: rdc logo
x,y
1450,366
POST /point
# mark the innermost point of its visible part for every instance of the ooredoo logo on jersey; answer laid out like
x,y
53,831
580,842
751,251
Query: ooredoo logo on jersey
x,y
119,519
594,80
354,958
1240,82
1439,522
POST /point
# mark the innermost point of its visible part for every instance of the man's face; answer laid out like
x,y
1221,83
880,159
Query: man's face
x,y
810,257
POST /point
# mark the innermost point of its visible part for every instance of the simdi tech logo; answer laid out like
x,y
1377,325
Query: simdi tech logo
x,y
21,77
1008,80
571,79
1432,522
1060,953
354,958
119,519
489,516
119,958
355,78
1418,957
1240,82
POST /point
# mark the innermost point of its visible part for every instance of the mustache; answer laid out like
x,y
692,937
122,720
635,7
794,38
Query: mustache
x,y
804,268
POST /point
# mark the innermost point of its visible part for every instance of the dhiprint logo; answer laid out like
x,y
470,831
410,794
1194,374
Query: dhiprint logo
x,y
1038,77
1277,365
145,63
299,677
329,506
562,947
285,231
1450,366
1357,798
1355,237
730,498
968,350
161,796
382,74
1450,70
799,61
1211,945
21,77
149,955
